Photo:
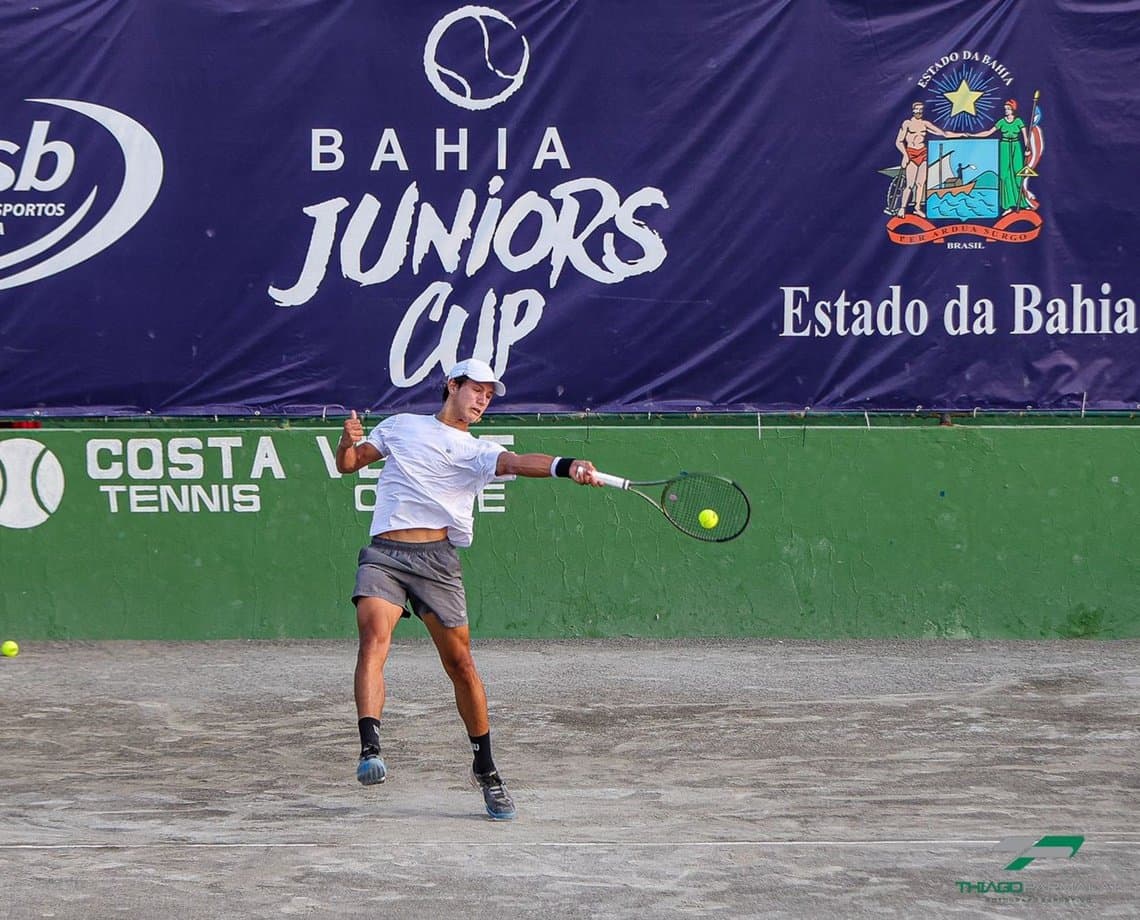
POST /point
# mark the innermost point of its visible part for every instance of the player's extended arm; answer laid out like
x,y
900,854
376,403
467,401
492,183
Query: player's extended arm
x,y
351,455
538,466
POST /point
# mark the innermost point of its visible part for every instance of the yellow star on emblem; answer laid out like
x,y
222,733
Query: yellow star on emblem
x,y
963,99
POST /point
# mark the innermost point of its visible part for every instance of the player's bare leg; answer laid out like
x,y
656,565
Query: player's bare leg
x,y
376,620
454,647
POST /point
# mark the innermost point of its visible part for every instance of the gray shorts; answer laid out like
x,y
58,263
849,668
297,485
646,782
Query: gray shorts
x,y
425,576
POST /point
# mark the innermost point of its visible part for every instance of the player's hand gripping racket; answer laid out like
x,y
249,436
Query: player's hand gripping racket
x,y
702,505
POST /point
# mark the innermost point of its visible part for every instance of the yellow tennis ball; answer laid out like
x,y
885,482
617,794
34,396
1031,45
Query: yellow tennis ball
x,y
10,649
708,518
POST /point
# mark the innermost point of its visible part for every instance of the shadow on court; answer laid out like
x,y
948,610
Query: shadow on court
x,y
679,779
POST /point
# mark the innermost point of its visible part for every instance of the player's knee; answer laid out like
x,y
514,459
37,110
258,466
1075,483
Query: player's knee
x,y
372,653
373,638
374,641
460,667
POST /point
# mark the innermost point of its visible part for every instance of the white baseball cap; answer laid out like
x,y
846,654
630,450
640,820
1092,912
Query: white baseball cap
x,y
479,371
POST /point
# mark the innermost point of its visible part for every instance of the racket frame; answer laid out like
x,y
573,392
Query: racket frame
x,y
627,485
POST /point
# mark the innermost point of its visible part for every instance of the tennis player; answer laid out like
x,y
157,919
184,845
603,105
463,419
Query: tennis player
x,y
425,497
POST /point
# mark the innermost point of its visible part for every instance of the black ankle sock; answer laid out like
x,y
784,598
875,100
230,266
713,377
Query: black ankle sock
x,y
481,747
369,735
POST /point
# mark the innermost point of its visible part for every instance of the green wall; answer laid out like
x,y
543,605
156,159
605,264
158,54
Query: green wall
x,y
859,530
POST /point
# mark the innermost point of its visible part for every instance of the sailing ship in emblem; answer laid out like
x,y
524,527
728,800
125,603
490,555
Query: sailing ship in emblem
x,y
943,179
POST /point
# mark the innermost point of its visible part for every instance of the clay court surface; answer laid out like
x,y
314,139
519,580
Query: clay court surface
x,y
653,780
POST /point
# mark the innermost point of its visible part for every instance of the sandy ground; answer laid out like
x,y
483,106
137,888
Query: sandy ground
x,y
653,780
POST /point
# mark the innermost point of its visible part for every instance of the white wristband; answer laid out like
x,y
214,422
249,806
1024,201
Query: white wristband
x,y
553,464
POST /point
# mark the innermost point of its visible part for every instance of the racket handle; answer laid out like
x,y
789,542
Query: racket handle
x,y
615,482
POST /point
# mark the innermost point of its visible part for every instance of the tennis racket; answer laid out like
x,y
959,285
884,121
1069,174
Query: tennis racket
x,y
702,505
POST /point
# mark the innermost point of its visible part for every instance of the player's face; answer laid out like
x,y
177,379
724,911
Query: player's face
x,y
472,400
917,111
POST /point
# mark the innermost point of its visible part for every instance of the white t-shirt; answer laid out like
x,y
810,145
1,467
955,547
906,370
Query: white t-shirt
x,y
432,473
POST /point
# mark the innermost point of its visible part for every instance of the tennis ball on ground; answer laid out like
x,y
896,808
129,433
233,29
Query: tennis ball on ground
x,y
708,518
9,649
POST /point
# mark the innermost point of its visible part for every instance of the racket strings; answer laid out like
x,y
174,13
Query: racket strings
x,y
684,498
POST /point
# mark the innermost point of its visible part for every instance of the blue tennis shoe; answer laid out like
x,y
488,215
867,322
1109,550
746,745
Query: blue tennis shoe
x,y
371,769
500,806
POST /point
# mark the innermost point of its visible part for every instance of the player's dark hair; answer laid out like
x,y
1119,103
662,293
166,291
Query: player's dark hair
x,y
447,389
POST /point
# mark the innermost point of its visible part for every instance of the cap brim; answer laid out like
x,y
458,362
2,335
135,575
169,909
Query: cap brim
x,y
500,389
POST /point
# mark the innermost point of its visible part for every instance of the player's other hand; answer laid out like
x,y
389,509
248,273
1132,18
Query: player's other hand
x,y
582,472
353,430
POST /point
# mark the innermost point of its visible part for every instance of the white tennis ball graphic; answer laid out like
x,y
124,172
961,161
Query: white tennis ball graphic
x,y
499,79
31,483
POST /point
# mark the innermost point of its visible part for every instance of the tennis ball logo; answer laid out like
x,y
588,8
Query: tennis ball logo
x,y
31,483
475,57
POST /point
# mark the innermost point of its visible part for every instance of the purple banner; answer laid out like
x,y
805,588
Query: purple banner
x,y
290,207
